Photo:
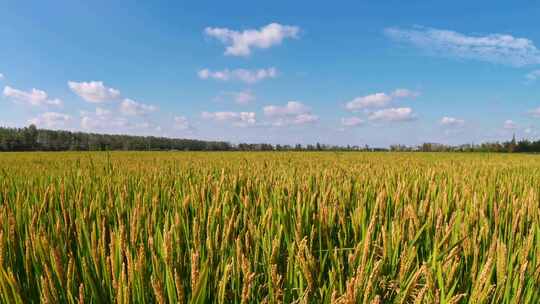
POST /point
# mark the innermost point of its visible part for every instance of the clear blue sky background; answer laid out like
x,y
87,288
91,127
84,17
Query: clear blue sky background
x,y
454,58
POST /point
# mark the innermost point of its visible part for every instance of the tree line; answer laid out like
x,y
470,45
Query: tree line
x,y
33,139
511,146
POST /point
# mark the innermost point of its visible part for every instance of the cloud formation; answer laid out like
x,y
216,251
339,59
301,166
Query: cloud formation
x,y
181,123
452,121
243,97
247,76
533,76
241,43
34,97
509,125
392,115
238,119
495,48
292,113
132,108
94,91
290,108
535,112
51,120
378,100
102,119
405,93
351,121
299,119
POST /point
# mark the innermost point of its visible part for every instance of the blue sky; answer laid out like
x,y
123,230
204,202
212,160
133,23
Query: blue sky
x,y
280,72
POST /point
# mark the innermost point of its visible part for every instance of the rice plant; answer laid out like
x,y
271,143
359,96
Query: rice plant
x,y
231,227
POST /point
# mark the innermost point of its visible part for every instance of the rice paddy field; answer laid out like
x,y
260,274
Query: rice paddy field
x,y
182,227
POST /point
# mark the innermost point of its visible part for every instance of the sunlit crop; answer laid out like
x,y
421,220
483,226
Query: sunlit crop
x,y
228,227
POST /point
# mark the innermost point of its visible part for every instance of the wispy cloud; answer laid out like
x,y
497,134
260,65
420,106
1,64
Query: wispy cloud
x,y
532,76
452,121
94,91
291,108
405,93
33,97
535,112
352,121
247,76
243,97
379,100
376,100
182,123
509,125
133,108
238,119
495,48
103,119
51,120
241,43
292,113
393,115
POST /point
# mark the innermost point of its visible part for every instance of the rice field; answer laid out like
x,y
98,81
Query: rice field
x,y
294,227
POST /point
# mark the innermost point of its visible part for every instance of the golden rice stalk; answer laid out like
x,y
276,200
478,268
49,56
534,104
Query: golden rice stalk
x,y
194,268
158,290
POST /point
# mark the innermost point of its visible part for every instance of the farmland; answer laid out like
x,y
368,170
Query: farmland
x,y
233,227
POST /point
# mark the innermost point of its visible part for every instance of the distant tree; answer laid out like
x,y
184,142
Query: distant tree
x,y
33,139
30,137
511,147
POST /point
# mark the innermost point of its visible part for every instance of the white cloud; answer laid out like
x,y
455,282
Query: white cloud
x,y
509,125
102,112
494,48
103,119
181,123
535,112
305,118
292,113
94,122
452,121
2,77
89,123
219,75
351,121
94,91
51,120
300,119
239,119
133,108
247,76
291,108
147,127
405,93
99,112
243,97
241,43
376,100
392,114
379,100
34,98
533,76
